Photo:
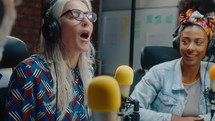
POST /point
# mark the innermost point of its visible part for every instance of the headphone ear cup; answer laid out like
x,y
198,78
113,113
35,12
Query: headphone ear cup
x,y
211,47
51,29
175,43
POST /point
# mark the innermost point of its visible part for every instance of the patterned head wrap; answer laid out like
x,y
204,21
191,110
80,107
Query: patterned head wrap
x,y
207,22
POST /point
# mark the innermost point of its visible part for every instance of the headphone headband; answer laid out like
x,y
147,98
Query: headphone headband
x,y
51,28
175,34
47,7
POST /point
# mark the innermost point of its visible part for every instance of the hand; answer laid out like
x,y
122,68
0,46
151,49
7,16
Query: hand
x,y
179,118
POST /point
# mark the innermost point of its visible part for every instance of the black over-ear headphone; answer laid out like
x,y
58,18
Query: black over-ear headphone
x,y
176,43
176,39
211,48
1,11
51,28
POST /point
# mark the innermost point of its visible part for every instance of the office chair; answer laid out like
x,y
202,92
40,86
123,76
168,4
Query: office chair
x,y
150,56
15,50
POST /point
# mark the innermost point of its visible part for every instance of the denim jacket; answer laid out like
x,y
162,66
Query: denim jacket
x,y
161,92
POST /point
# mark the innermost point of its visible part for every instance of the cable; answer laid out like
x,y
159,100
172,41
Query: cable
x,y
205,89
41,19
56,93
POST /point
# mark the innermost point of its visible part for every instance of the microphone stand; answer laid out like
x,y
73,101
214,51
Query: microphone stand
x,y
211,96
135,116
212,101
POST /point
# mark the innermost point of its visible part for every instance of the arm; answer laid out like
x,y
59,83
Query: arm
x,y
20,100
179,118
145,92
207,117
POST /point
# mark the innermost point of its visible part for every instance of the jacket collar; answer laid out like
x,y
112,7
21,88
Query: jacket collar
x,y
178,76
178,85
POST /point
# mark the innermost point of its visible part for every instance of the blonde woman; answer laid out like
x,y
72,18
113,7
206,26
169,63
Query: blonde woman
x,y
52,85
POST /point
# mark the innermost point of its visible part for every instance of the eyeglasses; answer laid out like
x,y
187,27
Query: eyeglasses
x,y
79,15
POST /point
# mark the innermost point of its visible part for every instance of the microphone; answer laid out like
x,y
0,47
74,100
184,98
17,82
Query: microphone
x,y
124,76
212,90
104,98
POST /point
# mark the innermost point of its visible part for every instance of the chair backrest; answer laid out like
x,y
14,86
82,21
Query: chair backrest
x,y
15,50
153,55
150,56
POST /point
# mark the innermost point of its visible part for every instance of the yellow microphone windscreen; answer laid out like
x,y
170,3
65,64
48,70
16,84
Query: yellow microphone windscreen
x,y
124,75
212,73
104,94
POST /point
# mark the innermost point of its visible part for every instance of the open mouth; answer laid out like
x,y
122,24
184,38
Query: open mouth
x,y
189,55
85,35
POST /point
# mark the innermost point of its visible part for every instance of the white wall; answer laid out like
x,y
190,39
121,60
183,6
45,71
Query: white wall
x,y
156,3
114,30
126,4
108,5
154,27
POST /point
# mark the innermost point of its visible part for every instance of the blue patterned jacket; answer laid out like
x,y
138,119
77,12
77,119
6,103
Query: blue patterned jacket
x,y
30,93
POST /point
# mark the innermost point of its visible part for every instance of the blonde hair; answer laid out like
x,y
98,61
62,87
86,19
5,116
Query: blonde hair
x,y
58,67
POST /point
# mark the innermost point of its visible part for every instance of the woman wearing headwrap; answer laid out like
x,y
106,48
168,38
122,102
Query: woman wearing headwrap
x,y
173,91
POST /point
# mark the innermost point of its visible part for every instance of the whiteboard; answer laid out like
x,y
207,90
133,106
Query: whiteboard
x,y
153,26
